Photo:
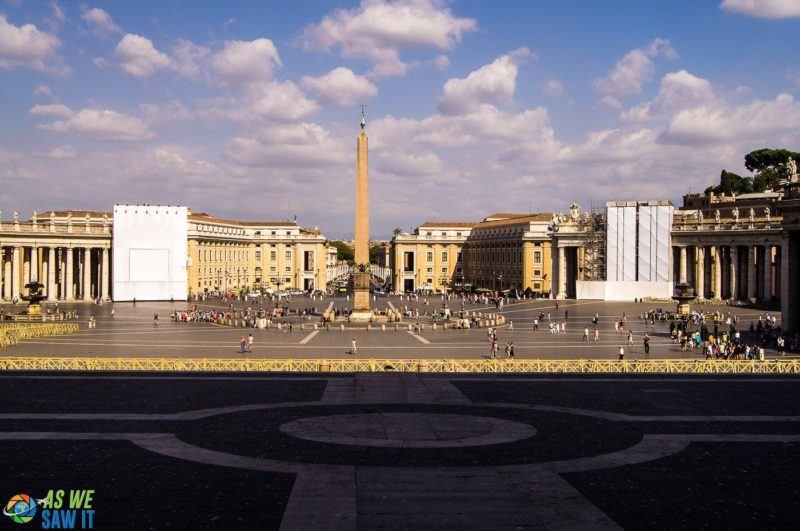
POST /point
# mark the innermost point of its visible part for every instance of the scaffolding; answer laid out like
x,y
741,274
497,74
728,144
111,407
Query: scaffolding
x,y
594,253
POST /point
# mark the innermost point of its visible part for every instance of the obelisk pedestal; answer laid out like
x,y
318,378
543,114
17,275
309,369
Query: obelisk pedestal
x,y
361,277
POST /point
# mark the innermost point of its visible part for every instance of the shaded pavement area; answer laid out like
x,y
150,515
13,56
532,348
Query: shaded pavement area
x,y
383,450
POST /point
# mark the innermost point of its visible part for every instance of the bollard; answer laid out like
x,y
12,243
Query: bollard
x,y
396,327
409,327
324,366
444,326
280,326
369,328
433,326
328,327
422,366
315,326
383,328
341,328
302,326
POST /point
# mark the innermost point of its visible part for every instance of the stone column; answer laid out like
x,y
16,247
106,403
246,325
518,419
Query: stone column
x,y
562,273
106,274
700,272
70,288
34,274
361,299
16,260
6,277
26,267
86,290
717,272
752,261
734,272
682,264
52,265
767,273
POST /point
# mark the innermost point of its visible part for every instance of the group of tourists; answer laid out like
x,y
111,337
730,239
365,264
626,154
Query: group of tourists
x,y
494,345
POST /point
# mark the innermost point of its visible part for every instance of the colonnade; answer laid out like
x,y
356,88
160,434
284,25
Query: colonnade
x,y
67,273
743,272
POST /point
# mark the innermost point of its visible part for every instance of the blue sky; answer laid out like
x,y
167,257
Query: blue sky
x,y
249,109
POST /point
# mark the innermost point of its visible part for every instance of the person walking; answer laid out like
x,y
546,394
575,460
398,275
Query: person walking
x,y
535,325
353,346
112,312
510,350
243,344
596,334
646,341
630,337
511,325
155,320
250,343
621,353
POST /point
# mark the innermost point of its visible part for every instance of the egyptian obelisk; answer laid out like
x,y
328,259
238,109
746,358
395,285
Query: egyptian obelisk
x,y
361,276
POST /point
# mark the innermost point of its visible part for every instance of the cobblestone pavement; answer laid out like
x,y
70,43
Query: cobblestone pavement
x,y
407,450
132,333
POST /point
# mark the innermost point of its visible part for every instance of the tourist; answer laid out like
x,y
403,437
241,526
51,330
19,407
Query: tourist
x,y
630,337
112,311
353,346
510,350
535,325
596,334
243,345
511,325
586,333
646,341
494,348
250,343
155,319
621,353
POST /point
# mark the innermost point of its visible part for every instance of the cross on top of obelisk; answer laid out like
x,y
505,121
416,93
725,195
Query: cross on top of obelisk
x,y
363,116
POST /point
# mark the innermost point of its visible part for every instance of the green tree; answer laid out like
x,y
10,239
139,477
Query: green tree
x,y
397,231
376,255
730,183
344,251
770,166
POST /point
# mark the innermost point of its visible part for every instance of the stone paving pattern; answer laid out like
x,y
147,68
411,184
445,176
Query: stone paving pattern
x,y
563,452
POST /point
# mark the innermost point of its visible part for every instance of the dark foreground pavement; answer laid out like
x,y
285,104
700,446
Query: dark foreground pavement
x,y
406,451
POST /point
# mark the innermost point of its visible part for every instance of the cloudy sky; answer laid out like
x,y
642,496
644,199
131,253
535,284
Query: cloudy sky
x,y
250,109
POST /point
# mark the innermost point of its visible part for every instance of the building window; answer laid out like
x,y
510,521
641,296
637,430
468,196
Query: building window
x,y
287,279
537,285
258,256
444,256
429,280
273,269
288,269
429,256
444,270
273,255
288,255
537,257
429,270
537,272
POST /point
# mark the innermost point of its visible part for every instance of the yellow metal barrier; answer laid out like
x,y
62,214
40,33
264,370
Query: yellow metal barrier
x,y
660,366
11,334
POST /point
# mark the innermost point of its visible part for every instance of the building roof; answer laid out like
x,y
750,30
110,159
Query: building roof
x,y
498,217
75,213
448,224
202,216
517,219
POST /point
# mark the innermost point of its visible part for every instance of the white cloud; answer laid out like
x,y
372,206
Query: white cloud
x,y
770,9
43,91
241,62
102,125
679,90
283,102
442,62
56,18
340,87
492,83
301,145
100,21
553,88
100,62
25,46
380,30
62,152
138,57
56,109
720,122
633,70
186,55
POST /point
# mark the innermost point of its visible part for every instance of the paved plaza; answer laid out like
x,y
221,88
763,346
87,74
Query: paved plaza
x,y
408,451
131,332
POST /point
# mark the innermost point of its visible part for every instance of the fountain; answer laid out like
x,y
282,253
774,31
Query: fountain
x,y
683,294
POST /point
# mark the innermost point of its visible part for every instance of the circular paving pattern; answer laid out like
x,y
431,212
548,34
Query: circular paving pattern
x,y
408,430
401,435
